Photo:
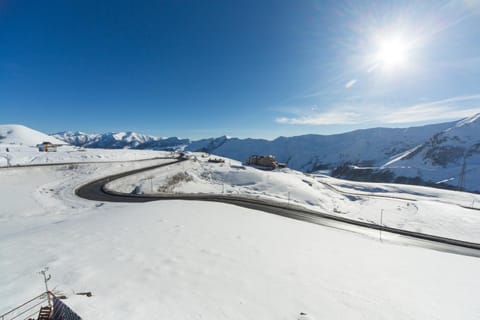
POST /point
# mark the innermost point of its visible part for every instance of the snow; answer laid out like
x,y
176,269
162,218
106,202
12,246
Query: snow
x,y
196,260
118,140
446,156
19,155
310,152
400,156
420,209
18,147
306,152
431,153
199,260
468,120
21,135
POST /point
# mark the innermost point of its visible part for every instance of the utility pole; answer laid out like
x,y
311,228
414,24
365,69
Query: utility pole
x,y
46,279
381,224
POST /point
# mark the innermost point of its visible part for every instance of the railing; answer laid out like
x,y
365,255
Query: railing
x,y
29,309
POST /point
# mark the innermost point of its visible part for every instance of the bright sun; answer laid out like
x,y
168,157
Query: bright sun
x,y
392,53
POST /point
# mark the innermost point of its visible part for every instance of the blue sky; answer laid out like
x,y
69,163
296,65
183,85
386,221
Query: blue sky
x,y
242,68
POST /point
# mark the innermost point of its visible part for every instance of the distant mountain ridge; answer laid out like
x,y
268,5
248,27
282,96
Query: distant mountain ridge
x,y
317,152
430,154
120,140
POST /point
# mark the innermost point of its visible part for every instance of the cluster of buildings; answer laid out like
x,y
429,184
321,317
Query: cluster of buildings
x,y
268,161
46,146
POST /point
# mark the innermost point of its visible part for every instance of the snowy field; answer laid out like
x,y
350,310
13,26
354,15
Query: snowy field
x,y
198,260
420,209
18,146
27,155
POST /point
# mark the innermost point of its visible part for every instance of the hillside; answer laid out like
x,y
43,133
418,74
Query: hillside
x,y
21,135
451,156
319,152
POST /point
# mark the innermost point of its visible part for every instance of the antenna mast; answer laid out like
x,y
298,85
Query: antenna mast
x,y
46,278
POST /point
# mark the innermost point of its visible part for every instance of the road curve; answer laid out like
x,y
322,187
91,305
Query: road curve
x,y
96,191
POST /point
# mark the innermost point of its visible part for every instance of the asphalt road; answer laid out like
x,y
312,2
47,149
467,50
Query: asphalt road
x,y
53,164
96,191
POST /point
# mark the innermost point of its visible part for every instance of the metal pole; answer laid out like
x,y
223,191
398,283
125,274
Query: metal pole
x,y
381,224
46,279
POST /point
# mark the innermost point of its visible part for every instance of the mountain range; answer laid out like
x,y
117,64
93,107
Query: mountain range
x,y
445,154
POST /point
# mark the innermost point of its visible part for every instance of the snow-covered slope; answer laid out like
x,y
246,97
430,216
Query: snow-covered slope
x,y
18,147
420,209
451,156
316,152
21,135
202,260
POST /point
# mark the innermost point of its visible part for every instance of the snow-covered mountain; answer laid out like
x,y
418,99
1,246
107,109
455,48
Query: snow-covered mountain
x,y
76,138
309,153
451,156
420,155
21,135
120,140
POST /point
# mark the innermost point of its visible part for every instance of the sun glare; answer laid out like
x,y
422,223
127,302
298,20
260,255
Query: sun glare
x,y
392,53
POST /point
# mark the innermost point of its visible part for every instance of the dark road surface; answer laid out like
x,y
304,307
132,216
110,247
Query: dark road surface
x,y
95,191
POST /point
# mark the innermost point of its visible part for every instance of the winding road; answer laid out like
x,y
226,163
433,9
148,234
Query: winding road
x,y
96,191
